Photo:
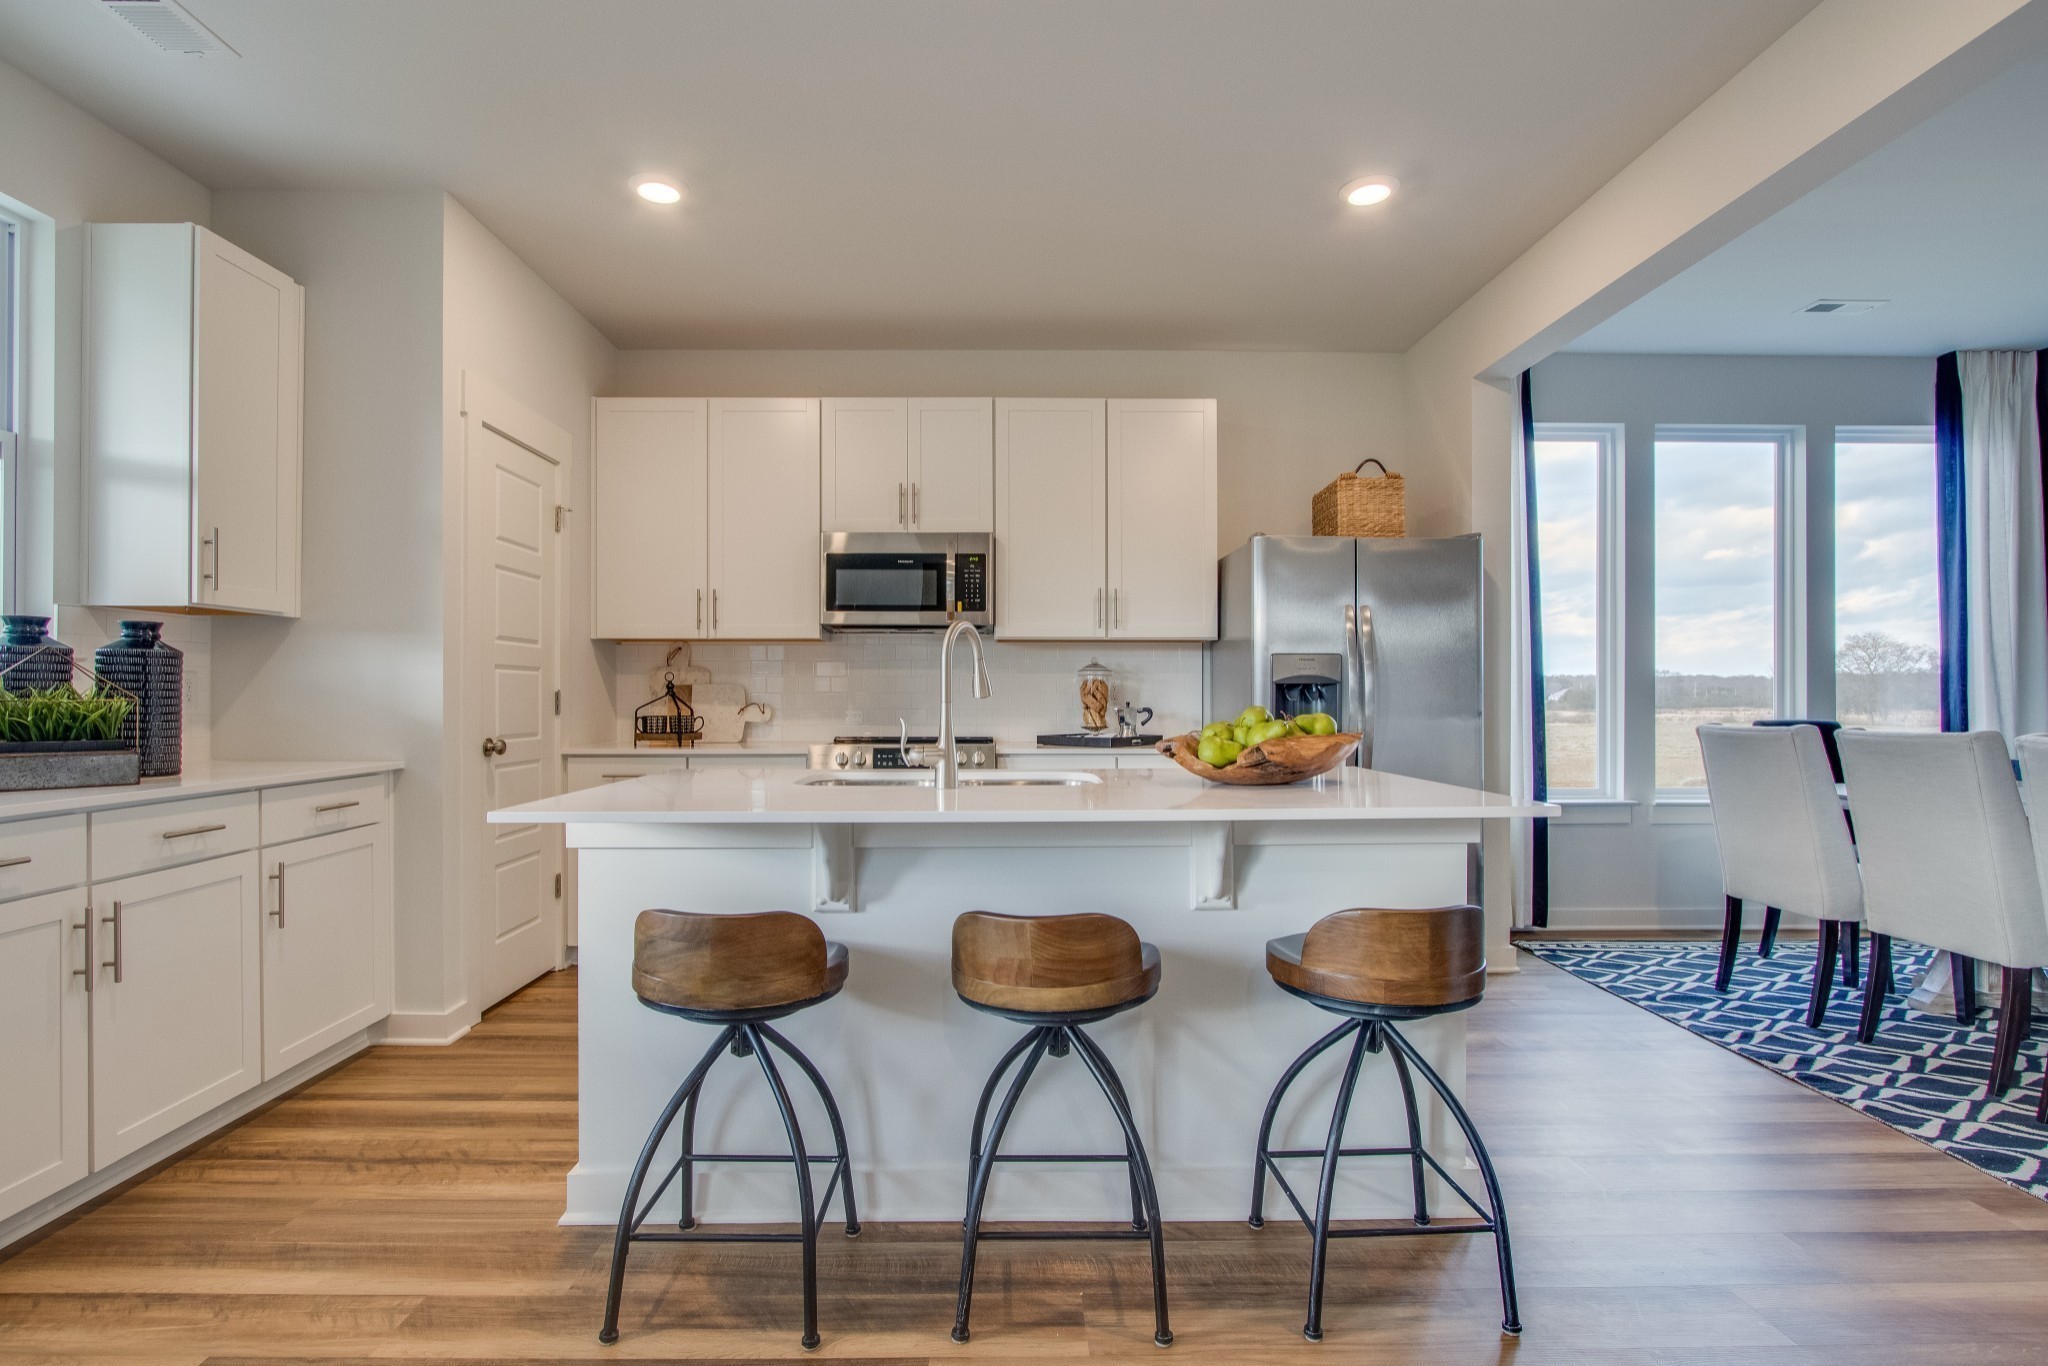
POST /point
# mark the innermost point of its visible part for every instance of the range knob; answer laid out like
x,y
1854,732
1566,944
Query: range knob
x,y
839,758
959,757
860,759
979,759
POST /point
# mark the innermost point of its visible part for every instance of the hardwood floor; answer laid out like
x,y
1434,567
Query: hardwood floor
x,y
1671,1203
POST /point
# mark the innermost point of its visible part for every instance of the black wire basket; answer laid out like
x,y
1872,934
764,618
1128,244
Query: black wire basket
x,y
667,722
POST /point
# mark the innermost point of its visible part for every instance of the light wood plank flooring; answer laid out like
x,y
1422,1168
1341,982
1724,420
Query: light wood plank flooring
x,y
1671,1204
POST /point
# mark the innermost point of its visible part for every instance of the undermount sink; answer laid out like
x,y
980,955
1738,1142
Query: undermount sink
x,y
905,779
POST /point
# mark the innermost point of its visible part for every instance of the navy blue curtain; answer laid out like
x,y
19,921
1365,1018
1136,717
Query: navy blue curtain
x,y
1952,585
1539,838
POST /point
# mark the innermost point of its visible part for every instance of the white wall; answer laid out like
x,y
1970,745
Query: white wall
x,y
1287,422
359,674
61,167
1656,867
505,324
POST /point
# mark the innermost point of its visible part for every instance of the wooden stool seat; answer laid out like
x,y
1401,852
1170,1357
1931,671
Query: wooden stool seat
x,y
1408,960
1051,964
713,965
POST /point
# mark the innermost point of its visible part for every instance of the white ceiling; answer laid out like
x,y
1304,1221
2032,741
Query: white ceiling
x,y
942,173
1949,223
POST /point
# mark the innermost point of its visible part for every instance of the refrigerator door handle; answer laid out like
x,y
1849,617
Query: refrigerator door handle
x,y
1368,681
1351,710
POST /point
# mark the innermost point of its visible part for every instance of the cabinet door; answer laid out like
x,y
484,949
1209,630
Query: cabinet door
x,y
952,464
864,480
649,535
1162,519
1050,493
176,1023
326,945
764,518
246,338
42,1061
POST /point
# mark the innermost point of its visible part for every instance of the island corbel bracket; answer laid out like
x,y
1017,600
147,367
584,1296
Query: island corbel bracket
x,y
1212,866
835,882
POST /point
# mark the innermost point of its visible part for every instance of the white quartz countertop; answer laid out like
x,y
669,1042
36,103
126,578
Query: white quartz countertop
x,y
198,780
772,796
771,748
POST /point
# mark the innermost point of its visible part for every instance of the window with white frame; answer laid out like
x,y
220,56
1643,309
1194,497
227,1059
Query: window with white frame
x,y
1578,557
1729,580
1887,619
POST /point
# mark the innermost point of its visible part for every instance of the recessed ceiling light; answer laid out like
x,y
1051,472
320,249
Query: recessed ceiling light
x,y
1842,306
657,189
1374,189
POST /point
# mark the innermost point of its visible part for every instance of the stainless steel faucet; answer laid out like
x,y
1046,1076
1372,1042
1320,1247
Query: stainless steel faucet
x,y
946,764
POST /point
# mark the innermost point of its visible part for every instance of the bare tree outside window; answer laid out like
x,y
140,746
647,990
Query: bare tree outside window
x,y
1884,683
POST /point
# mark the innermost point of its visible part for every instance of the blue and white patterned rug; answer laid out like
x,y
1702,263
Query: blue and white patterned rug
x,y
1923,1074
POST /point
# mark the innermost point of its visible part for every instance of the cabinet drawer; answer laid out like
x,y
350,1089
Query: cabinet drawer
x,y
41,855
580,774
141,839
293,813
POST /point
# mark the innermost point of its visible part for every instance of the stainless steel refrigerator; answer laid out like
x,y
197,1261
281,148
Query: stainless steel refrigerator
x,y
1383,634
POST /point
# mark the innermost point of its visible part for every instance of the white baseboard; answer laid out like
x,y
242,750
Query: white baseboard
x,y
429,1029
188,1135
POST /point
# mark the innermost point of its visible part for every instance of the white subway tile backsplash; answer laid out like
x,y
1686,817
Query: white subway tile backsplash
x,y
866,682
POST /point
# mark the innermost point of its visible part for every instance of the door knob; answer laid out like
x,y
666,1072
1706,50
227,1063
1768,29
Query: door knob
x,y
492,746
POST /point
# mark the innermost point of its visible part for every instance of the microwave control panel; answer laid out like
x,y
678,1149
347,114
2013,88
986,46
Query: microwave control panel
x,y
970,582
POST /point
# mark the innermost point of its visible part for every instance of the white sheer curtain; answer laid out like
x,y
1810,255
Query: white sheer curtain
x,y
2006,568
1521,715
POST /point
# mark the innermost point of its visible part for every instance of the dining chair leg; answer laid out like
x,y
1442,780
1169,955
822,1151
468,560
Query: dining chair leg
x,y
1962,986
2015,1017
1877,980
1852,938
1823,973
1767,942
1731,931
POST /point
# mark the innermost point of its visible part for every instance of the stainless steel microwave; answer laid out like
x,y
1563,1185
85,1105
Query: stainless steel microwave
x,y
898,581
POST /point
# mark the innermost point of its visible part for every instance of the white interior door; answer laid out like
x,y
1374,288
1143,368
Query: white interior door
x,y
510,574
952,464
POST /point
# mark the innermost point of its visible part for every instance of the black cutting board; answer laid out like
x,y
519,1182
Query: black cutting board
x,y
1099,740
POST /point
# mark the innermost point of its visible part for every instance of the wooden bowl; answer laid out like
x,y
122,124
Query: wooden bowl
x,y
1289,759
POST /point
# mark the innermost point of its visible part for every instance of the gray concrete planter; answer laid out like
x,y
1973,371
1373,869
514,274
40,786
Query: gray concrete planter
x,y
27,766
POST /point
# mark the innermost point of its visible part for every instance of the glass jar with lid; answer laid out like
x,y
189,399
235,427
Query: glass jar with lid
x,y
1094,682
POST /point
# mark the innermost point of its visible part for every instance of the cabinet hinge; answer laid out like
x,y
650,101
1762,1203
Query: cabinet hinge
x,y
561,513
558,886
558,701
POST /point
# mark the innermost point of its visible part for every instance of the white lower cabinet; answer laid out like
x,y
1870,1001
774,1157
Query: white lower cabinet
x,y
42,1047
326,943
177,1023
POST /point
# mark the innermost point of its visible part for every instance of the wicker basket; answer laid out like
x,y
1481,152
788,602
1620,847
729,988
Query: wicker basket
x,y
1351,506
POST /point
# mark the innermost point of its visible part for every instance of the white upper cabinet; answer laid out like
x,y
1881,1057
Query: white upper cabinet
x,y
1051,507
952,465
918,464
650,535
1162,519
866,477
764,518
194,362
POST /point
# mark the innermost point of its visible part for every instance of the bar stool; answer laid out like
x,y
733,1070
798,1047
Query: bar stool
x,y
1377,967
1055,973
737,972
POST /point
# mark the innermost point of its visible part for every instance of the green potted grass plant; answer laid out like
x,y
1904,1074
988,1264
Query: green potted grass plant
x,y
58,736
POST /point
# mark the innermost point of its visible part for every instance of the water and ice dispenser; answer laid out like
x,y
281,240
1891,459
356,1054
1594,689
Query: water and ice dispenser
x,y
1304,683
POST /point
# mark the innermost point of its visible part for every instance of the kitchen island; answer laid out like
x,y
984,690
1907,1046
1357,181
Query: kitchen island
x,y
1206,872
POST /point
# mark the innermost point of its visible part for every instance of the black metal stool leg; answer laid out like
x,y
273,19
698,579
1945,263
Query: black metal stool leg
x,y
1130,1162
686,1169
1040,1039
1414,1135
988,1092
795,1055
628,1219
1113,1089
1309,1055
1511,1319
806,1209
1326,1186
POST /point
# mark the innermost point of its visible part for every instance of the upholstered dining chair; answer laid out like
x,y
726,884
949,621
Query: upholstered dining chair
x,y
1949,861
1784,842
2018,1000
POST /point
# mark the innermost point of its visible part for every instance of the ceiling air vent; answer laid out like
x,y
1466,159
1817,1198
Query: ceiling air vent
x,y
169,28
1843,306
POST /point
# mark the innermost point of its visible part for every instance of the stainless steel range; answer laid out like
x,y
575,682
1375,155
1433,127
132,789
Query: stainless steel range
x,y
886,751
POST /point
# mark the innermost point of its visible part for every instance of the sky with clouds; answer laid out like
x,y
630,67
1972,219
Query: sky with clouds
x,y
1714,534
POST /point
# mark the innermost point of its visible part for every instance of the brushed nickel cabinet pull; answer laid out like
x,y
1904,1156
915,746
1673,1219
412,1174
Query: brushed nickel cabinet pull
x,y
901,518
1098,607
700,609
334,806
115,961
86,972
916,517
212,575
278,878
619,777
714,609
16,861
195,830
